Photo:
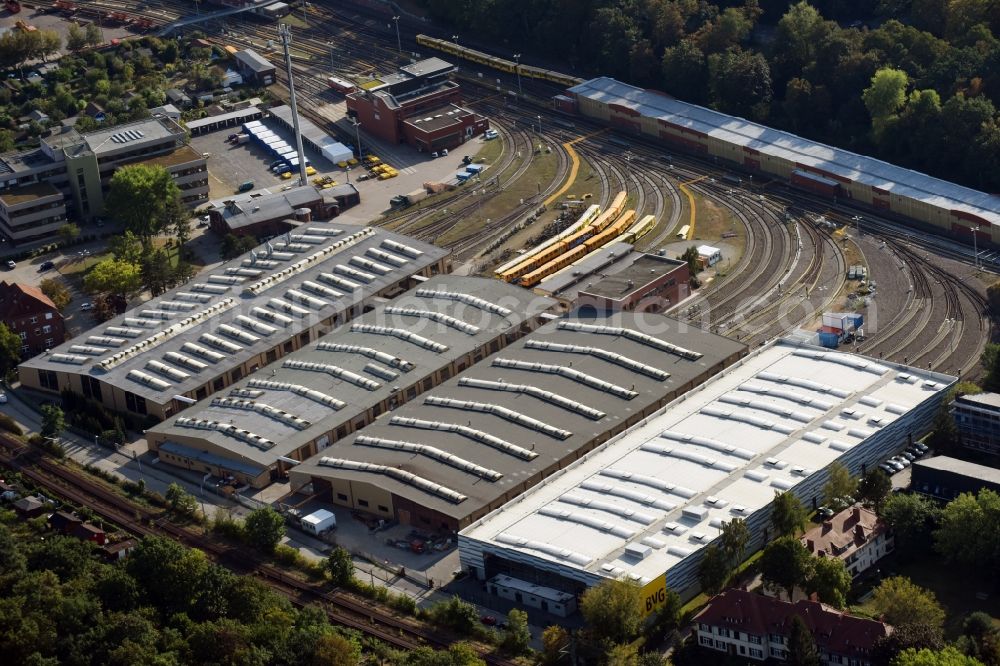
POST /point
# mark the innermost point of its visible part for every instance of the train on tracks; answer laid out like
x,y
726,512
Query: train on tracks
x,y
545,253
496,62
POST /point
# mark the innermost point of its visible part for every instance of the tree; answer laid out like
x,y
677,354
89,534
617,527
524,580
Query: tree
x,y
140,196
113,277
341,566
990,360
993,298
167,572
911,518
839,490
456,614
264,528
93,34
156,271
692,258
969,532
56,291
801,644
740,83
900,602
336,650
181,501
948,656
714,570
69,232
177,219
666,620
555,640
873,488
613,610
76,39
786,564
126,247
10,349
685,71
233,246
734,540
885,96
53,420
516,637
905,637
830,580
787,514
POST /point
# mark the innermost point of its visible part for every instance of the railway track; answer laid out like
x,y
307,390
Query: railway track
x,y
341,608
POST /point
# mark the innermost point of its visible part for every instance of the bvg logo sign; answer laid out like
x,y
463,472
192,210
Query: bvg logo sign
x,y
654,594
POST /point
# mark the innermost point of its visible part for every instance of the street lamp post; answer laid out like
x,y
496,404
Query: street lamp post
x,y
857,221
539,124
357,135
517,68
454,38
399,42
975,245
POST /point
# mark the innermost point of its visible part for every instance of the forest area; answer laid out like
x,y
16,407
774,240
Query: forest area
x,y
913,82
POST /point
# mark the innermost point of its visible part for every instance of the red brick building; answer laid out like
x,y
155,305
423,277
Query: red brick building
x,y
650,284
33,316
418,105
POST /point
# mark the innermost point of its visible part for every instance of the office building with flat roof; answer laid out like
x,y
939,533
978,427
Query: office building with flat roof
x,y
516,418
977,417
228,322
643,505
347,379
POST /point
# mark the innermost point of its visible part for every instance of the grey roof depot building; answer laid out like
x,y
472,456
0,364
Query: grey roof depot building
x,y
230,321
480,439
259,427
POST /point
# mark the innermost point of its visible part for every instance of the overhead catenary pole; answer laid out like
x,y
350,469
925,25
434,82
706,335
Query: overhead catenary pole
x,y
399,42
286,41
517,68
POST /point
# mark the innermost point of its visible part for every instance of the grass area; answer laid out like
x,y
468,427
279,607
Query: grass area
x,y
955,588
75,267
712,222
538,175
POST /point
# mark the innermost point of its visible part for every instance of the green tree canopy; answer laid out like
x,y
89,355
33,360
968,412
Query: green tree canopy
x,y
734,540
613,610
786,564
53,420
969,532
341,566
802,649
788,516
10,349
911,518
264,528
830,580
874,488
714,570
900,602
140,196
56,291
948,656
839,490
180,500
516,638
886,95
114,277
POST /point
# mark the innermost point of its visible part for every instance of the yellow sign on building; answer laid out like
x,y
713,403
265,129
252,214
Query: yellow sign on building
x,y
654,594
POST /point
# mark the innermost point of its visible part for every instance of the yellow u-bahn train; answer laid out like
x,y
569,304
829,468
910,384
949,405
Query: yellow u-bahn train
x,y
579,251
497,63
540,256
588,216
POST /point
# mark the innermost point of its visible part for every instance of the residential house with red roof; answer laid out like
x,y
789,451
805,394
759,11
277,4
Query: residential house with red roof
x,y
33,316
757,627
856,535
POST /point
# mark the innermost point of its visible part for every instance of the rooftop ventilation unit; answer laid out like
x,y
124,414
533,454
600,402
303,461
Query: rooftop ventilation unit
x,y
227,429
386,257
381,372
627,493
436,317
854,362
607,507
272,317
407,478
791,396
147,380
88,350
166,371
333,371
651,481
429,452
568,373
264,410
305,299
500,412
535,392
311,240
184,361
203,352
394,246
603,354
633,335
371,266
402,334
161,315
141,323
690,456
195,298
244,272
368,352
763,424
337,281
326,232
219,343
468,299
762,406
237,334
72,359
466,431
105,341
285,306
320,289
225,279
307,262
588,520
803,383
176,306
354,273
555,552
303,391
709,443
123,332
209,288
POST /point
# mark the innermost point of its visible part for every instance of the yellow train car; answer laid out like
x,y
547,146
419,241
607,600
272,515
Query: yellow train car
x,y
620,226
612,212
560,262
467,53
637,231
587,217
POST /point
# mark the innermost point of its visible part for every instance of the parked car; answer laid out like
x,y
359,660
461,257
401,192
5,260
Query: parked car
x,y
434,154
923,448
46,266
11,265
490,134
909,456
901,460
444,152
87,306
488,620
825,512
888,469
898,466
3,398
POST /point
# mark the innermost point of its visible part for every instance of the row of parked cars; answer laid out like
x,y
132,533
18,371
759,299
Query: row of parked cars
x,y
903,460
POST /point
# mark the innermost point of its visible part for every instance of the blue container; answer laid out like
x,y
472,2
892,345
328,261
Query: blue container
x,y
828,340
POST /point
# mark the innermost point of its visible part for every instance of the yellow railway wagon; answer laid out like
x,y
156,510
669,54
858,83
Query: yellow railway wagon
x,y
563,260
640,229
612,212
588,216
612,232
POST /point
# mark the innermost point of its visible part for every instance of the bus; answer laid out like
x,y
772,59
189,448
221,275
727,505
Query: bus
x,y
683,233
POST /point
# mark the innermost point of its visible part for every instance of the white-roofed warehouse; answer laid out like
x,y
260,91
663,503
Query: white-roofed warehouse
x,y
807,164
644,504
515,418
